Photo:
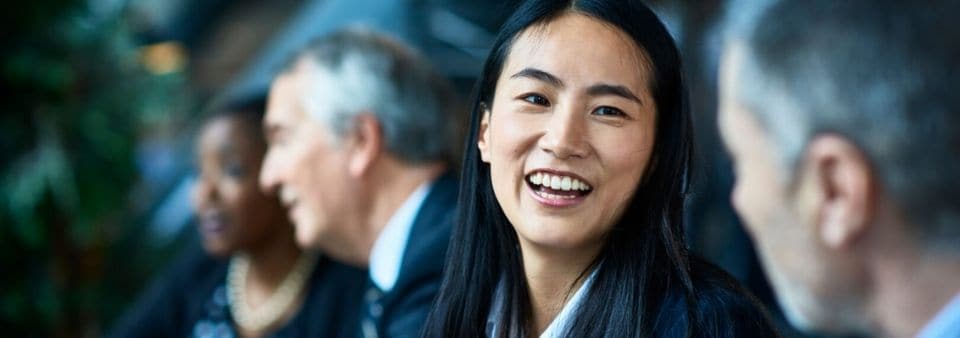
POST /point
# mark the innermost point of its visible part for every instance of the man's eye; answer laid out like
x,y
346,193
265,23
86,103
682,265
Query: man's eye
x,y
608,111
536,99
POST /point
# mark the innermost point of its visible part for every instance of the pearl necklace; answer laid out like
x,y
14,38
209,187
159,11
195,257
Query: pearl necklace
x,y
267,314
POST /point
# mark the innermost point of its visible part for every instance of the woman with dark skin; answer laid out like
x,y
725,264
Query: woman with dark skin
x,y
573,189
254,281
237,220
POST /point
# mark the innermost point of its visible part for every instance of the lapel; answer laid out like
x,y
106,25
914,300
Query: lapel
x,y
427,244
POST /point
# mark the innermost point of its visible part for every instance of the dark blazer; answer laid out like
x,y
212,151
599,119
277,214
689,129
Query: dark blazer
x,y
723,308
406,306
184,293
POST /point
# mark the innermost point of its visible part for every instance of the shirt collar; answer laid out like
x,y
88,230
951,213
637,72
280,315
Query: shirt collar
x,y
387,253
946,324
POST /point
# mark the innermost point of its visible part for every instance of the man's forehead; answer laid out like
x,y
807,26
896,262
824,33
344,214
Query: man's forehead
x,y
283,105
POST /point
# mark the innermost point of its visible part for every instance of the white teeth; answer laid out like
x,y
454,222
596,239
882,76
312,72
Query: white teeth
x,y
564,183
555,182
582,186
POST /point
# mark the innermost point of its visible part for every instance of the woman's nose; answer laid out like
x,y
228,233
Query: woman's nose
x,y
203,193
565,135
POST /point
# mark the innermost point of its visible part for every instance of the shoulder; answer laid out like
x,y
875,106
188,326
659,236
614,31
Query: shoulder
x,y
721,306
194,274
175,298
195,265
725,308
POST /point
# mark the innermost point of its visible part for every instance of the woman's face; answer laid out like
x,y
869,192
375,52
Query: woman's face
x,y
233,214
570,131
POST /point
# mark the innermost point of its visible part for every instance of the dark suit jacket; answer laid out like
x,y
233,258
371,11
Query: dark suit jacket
x,y
406,306
724,309
180,297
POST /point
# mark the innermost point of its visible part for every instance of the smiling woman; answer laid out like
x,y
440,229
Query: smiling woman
x,y
563,114
574,183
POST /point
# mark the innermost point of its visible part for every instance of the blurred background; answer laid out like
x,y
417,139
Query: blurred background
x,y
102,99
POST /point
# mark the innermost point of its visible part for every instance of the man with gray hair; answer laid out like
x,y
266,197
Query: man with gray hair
x,y
362,134
843,121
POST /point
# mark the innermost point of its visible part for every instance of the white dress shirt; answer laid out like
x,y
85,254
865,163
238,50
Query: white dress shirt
x,y
387,253
946,324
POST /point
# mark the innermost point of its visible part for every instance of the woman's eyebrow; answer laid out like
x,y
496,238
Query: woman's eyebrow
x,y
616,90
594,90
539,75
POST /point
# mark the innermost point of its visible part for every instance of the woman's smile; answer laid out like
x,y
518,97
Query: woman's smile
x,y
557,189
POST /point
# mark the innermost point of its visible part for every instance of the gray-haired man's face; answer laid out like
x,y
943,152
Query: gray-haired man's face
x,y
780,211
303,164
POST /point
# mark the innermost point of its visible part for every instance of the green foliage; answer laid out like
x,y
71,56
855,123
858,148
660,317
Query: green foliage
x,y
77,100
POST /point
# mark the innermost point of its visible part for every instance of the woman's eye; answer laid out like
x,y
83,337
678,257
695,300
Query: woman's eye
x,y
234,170
608,111
536,99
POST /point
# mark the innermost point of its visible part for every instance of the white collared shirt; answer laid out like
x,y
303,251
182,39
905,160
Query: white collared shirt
x,y
946,324
387,253
558,327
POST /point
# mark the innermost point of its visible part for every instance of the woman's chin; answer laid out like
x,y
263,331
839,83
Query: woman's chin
x,y
217,248
552,238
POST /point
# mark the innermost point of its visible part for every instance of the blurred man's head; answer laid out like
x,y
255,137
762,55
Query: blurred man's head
x,y
348,105
844,127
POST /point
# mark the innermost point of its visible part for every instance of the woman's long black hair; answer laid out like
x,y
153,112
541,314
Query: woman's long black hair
x,y
644,257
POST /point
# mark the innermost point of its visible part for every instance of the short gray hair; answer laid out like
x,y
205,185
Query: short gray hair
x,y
881,73
369,72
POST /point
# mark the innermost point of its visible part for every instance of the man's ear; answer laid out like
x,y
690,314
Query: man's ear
x,y
366,144
483,135
842,174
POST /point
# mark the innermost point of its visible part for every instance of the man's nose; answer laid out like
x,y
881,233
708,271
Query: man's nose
x,y
269,175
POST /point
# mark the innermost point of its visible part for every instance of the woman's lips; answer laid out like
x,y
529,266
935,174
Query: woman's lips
x,y
557,189
556,198
213,225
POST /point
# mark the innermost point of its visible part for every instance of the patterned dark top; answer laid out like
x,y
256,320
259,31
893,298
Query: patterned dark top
x,y
190,300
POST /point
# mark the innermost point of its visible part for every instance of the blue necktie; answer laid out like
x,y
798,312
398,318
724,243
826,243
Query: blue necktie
x,y
372,311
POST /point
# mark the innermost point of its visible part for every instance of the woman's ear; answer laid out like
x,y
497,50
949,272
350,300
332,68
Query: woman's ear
x,y
367,144
483,135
